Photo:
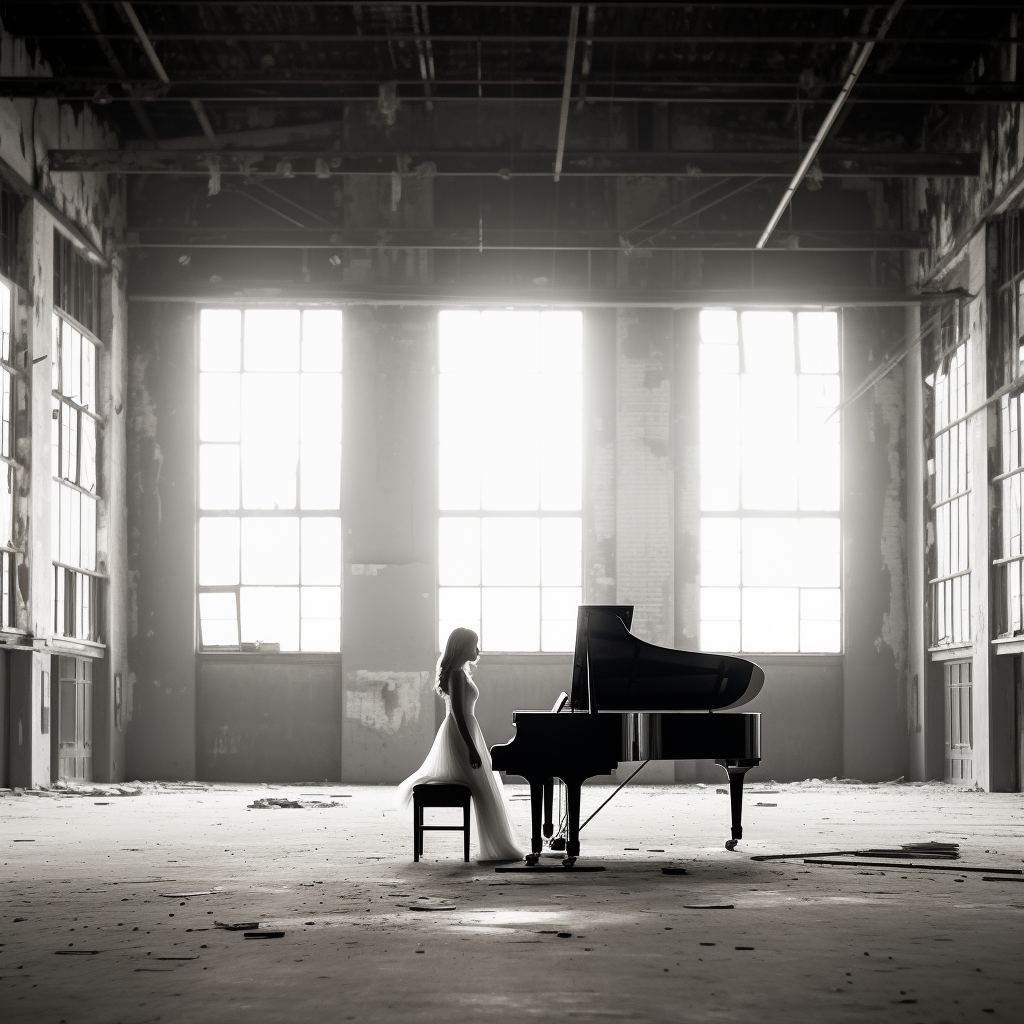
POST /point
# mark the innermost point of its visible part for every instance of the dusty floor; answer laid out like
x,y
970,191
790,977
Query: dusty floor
x,y
87,932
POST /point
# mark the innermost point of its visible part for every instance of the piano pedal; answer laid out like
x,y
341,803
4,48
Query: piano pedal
x,y
558,843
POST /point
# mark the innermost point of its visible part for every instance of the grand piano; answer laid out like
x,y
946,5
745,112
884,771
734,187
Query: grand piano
x,y
632,701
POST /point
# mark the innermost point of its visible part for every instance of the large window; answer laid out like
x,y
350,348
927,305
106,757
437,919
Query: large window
x,y
510,488
8,553
75,428
951,571
770,481
269,530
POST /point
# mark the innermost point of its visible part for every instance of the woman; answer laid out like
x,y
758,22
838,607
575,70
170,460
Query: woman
x,y
459,753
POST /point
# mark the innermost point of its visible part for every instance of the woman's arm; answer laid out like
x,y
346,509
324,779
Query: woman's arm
x,y
457,684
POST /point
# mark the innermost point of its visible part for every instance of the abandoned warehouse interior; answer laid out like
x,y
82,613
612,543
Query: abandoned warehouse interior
x,y
328,327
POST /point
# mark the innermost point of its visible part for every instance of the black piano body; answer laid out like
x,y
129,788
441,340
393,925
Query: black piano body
x,y
632,701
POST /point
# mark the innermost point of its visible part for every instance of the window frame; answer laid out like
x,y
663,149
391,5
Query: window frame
x,y
243,649
741,514
10,554
91,583
538,513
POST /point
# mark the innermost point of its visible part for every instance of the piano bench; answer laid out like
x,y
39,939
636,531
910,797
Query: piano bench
x,y
439,795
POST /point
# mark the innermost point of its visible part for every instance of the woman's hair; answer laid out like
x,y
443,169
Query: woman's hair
x,y
461,647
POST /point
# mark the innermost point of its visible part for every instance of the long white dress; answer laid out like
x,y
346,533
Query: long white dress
x,y
448,761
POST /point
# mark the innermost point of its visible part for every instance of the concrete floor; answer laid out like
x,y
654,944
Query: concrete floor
x,y
87,872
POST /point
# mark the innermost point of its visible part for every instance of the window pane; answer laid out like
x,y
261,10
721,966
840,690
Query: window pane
x,y
56,346
87,469
88,374
719,359
718,327
271,340
218,476
822,605
510,341
720,552
457,606
7,506
271,615
73,554
559,607
820,637
819,342
719,443
770,619
321,618
321,340
768,342
720,636
511,619
460,453
220,339
270,408
320,475
321,551
218,406
769,449
511,552
819,443
320,407
218,552
88,533
561,547
270,551
458,558
770,549
561,341
819,551
560,441
218,620
510,432
75,391
720,603
268,476
459,340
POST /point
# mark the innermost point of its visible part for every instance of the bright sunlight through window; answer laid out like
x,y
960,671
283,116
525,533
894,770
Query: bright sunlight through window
x,y
270,479
770,457
510,488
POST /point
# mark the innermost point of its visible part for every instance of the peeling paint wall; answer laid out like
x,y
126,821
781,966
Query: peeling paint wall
x,y
874,555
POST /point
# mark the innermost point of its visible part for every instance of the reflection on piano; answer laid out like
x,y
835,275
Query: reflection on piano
x,y
632,701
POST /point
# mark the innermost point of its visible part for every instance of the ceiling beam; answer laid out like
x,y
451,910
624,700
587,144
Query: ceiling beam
x,y
821,240
505,165
276,91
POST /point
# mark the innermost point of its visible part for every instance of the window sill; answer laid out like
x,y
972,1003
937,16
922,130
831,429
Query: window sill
x,y
70,647
1009,645
952,652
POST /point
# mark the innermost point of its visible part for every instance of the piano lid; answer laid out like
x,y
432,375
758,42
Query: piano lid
x,y
616,671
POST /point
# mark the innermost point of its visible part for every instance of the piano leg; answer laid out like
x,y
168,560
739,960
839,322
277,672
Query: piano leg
x,y
572,846
537,844
549,787
736,770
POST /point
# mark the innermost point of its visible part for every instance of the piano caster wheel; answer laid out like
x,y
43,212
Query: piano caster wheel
x,y
532,859
568,862
731,844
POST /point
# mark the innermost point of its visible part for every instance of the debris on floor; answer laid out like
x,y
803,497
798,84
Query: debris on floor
x,y
429,903
244,926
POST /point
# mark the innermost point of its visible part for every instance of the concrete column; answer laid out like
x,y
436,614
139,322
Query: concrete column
x,y
644,515
29,725
390,533
110,674
686,431
919,694
645,493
